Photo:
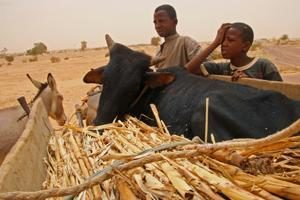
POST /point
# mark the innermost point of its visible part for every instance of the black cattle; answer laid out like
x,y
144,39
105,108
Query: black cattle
x,y
235,111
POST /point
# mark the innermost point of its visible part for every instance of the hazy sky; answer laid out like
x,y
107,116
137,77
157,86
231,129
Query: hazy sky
x,y
63,24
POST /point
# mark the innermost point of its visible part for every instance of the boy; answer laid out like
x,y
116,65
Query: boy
x,y
235,40
177,49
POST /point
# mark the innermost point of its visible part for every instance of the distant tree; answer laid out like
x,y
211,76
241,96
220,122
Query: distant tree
x,y
83,45
3,52
9,58
284,37
39,48
155,41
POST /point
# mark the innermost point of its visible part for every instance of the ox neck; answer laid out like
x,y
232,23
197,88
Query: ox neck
x,y
139,97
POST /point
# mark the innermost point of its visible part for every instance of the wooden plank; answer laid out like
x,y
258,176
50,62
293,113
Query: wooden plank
x,y
23,168
288,89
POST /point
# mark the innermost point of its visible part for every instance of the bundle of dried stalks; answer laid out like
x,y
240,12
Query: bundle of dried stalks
x,y
151,164
131,160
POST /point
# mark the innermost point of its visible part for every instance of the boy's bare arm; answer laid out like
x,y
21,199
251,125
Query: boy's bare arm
x,y
193,66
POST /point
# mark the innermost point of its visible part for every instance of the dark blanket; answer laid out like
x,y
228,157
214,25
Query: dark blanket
x,y
235,111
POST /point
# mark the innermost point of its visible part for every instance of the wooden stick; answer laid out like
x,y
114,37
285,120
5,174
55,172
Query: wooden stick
x,y
156,115
206,118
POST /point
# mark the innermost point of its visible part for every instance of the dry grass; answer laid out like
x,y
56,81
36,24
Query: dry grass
x,y
151,164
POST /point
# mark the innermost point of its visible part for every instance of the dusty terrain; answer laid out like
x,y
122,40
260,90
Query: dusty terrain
x,y
68,74
287,58
74,64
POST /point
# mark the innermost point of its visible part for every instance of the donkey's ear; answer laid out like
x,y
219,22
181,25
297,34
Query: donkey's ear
x,y
51,82
36,83
158,79
94,76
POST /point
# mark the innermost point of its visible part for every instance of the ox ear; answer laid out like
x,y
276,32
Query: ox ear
x,y
36,83
157,79
94,76
51,82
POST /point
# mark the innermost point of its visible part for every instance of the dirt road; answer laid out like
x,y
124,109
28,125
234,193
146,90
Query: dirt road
x,y
288,55
287,58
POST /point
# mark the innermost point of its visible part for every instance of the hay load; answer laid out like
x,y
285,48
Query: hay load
x,y
131,160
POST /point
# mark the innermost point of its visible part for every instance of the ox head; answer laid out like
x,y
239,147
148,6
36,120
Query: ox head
x,y
123,79
51,98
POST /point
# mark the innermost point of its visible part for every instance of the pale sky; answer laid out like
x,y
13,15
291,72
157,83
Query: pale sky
x,y
62,24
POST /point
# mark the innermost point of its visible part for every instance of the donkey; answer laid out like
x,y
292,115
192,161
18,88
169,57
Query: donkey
x,y
13,120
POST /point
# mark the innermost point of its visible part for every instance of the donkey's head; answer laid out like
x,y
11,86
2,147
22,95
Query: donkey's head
x,y
51,98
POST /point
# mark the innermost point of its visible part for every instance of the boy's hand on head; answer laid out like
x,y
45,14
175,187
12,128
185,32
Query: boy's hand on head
x,y
221,33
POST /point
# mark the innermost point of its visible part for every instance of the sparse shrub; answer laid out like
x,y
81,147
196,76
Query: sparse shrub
x,y
1,64
215,55
39,48
155,41
66,58
255,46
284,37
9,63
33,59
9,58
24,60
83,45
55,59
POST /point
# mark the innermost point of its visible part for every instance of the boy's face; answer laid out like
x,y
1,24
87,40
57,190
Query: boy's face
x,y
164,25
233,45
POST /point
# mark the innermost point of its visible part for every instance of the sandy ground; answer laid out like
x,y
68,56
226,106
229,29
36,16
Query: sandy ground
x,y
287,58
69,72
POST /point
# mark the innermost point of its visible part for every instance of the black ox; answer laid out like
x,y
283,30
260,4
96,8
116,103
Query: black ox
x,y
235,111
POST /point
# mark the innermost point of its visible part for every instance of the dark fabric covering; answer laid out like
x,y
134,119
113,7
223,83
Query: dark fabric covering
x,y
235,111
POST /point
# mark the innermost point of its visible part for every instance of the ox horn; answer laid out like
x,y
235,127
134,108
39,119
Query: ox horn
x,y
110,43
156,60
36,83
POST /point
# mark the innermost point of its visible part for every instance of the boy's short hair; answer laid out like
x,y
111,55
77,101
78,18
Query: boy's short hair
x,y
169,9
246,30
